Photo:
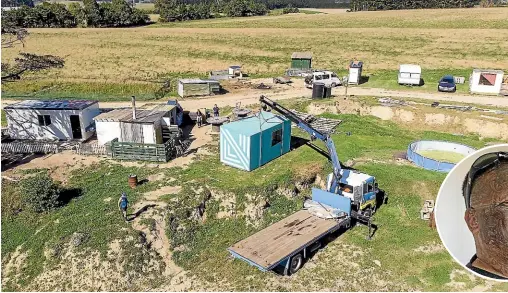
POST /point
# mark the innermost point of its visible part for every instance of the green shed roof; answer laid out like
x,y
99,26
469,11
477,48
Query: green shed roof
x,y
252,125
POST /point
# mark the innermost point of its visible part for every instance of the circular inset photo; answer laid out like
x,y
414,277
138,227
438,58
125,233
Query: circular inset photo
x,y
471,212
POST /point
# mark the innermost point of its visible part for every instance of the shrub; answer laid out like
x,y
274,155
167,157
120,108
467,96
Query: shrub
x,y
290,9
40,193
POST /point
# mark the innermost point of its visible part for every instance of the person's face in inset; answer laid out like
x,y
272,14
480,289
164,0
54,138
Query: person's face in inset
x,y
488,217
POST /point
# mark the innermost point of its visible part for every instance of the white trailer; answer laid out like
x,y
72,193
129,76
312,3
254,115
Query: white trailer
x,y
486,81
410,74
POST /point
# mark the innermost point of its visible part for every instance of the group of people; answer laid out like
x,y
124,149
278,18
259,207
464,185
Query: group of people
x,y
199,119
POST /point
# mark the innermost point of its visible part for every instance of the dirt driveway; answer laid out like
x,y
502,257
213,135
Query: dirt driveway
x,y
297,89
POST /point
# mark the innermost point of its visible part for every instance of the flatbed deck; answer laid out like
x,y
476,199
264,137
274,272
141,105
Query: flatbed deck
x,y
270,246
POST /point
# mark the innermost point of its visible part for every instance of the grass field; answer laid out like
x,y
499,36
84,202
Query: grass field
x,y
117,61
397,258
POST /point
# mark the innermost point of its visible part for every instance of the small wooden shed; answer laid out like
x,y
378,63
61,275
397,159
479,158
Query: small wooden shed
x,y
145,127
252,142
198,87
301,60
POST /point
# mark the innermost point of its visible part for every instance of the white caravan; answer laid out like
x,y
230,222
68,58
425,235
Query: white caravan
x,y
410,74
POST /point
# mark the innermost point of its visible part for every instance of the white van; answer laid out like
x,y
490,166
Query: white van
x,y
329,78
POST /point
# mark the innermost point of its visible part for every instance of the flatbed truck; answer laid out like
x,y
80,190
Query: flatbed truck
x,y
285,244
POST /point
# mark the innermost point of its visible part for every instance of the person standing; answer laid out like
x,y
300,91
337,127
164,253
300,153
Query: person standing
x,y
199,119
123,202
215,111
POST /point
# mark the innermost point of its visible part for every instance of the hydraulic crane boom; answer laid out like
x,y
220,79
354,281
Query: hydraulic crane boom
x,y
325,137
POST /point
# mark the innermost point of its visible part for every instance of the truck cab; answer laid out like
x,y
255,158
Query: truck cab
x,y
329,78
360,188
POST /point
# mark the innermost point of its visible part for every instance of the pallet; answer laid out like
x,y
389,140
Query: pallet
x,y
323,125
91,149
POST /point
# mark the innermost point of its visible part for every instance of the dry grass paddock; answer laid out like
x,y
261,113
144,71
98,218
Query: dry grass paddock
x,y
472,38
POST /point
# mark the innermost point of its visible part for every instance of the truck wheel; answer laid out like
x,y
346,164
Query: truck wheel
x,y
295,263
334,84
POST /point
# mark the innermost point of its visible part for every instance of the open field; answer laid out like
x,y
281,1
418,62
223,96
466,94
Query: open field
x,y
405,253
117,62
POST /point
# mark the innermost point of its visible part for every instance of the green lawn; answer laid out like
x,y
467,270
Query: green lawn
x,y
204,243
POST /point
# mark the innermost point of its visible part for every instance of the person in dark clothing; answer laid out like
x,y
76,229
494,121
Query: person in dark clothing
x,y
199,119
122,205
215,111
485,192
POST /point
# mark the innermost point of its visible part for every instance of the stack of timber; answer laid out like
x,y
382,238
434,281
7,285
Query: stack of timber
x,y
323,125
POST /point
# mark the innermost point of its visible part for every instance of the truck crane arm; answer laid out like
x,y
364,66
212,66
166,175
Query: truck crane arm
x,y
333,182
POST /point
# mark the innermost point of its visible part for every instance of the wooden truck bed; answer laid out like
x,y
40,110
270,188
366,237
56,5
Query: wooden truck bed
x,y
273,244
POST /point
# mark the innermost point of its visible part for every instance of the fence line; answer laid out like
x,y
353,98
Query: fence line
x,y
140,151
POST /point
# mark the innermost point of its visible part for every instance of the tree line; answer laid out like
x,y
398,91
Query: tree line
x,y
362,5
180,10
116,13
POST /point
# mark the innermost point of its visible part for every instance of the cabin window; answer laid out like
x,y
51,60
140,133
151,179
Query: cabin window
x,y
326,76
318,77
276,137
334,75
44,120
346,188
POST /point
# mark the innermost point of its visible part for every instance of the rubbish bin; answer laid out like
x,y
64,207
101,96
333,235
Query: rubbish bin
x,y
318,90
328,91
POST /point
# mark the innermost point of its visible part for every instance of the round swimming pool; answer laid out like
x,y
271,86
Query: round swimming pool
x,y
437,155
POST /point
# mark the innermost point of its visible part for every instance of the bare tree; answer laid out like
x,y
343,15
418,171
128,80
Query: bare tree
x,y
12,36
29,63
26,62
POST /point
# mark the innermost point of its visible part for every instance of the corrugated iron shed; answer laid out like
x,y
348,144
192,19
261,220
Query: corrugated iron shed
x,y
125,115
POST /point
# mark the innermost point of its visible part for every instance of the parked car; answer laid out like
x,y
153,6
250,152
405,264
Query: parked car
x,y
329,78
447,84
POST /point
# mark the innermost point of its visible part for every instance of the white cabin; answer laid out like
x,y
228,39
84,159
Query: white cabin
x,y
410,74
486,81
52,119
146,127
